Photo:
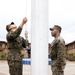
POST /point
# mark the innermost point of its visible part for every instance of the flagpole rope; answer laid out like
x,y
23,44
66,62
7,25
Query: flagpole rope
x,y
26,13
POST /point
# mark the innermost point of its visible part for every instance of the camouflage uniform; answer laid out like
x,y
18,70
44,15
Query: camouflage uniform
x,y
57,56
15,45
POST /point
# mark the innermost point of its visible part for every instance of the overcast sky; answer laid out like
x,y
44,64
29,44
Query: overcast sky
x,y
61,12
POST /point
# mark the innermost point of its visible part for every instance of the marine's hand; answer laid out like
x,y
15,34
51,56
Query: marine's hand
x,y
24,20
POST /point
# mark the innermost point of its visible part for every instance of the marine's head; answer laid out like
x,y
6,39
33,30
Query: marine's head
x,y
55,30
11,27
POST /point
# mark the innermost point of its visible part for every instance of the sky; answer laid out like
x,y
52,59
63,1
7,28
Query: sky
x,y
61,12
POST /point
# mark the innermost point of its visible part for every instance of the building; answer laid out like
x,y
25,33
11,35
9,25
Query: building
x,y
70,50
3,45
4,50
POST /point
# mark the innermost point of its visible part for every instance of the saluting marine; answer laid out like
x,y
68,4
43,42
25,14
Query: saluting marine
x,y
15,44
57,52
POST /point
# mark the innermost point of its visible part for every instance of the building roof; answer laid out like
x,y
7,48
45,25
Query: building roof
x,y
3,42
70,43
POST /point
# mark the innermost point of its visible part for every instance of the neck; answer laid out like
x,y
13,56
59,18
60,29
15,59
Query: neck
x,y
13,30
57,35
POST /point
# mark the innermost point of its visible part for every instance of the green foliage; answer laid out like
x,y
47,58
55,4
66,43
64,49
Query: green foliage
x,y
74,55
2,55
65,53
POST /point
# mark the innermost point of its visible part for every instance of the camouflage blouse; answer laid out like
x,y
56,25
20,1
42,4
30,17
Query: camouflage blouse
x,y
15,43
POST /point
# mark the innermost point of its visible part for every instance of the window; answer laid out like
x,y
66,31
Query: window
x,y
70,46
73,46
0,45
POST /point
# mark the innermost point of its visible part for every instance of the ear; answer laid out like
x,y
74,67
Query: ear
x,y
9,27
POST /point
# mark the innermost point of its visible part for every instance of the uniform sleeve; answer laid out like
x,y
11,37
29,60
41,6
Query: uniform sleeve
x,y
25,42
15,34
60,53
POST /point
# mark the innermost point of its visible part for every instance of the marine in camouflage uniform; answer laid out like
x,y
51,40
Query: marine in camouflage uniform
x,y
15,44
57,52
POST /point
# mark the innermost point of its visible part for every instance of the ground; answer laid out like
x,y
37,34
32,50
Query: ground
x,y
4,70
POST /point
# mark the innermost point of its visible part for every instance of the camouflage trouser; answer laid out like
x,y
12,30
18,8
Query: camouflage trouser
x,y
15,67
14,59
57,71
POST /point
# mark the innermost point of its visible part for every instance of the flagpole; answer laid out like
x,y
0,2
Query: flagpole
x,y
39,37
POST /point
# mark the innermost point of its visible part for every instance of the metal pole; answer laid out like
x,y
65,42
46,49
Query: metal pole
x,y
39,37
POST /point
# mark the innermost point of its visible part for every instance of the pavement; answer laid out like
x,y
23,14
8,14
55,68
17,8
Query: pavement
x,y
4,69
